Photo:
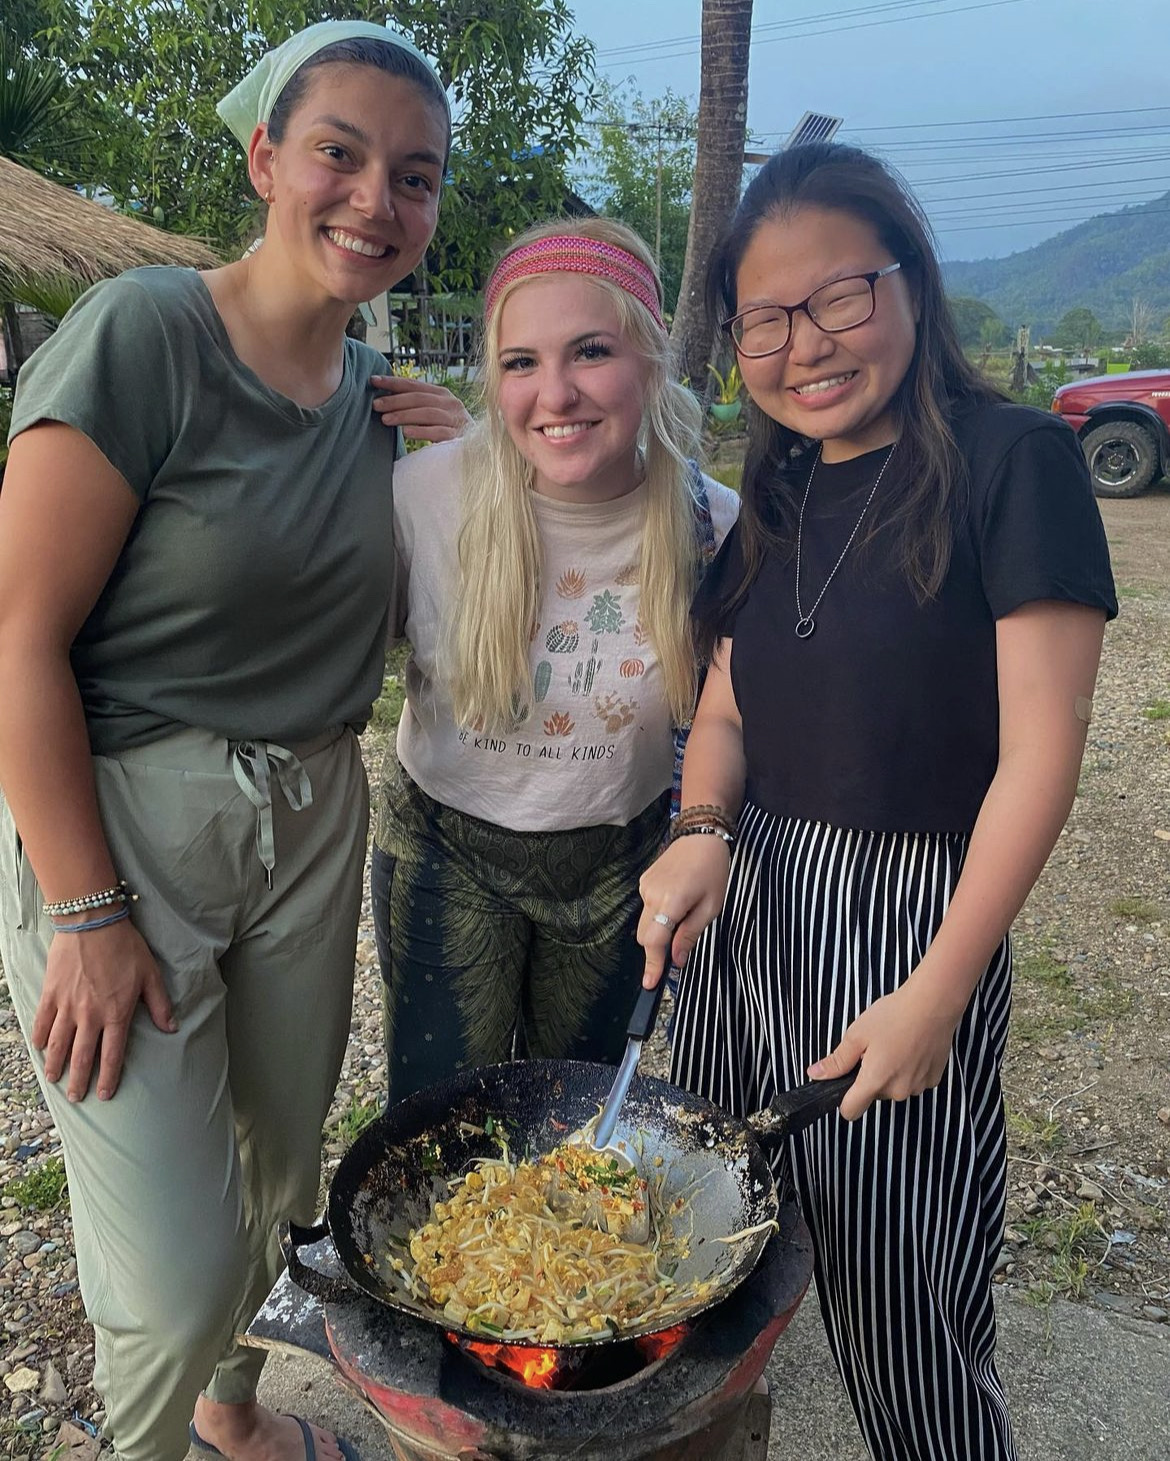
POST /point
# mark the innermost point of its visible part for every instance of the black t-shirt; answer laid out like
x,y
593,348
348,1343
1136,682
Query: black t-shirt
x,y
886,719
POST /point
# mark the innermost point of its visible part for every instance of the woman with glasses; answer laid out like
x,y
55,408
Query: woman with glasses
x,y
904,627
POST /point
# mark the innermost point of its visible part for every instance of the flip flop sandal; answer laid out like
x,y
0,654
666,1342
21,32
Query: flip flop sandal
x,y
348,1450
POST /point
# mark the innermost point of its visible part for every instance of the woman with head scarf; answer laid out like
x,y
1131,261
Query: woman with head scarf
x,y
196,567
548,561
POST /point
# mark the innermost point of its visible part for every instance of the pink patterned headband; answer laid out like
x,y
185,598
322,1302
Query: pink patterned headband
x,y
569,254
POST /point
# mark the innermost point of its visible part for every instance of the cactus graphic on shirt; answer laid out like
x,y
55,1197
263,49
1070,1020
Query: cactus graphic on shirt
x,y
562,638
585,672
560,723
628,575
605,613
641,634
542,680
571,584
614,713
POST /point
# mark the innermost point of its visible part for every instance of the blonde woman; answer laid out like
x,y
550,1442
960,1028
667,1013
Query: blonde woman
x,y
548,560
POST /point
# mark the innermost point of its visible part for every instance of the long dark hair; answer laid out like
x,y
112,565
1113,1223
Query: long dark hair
x,y
919,523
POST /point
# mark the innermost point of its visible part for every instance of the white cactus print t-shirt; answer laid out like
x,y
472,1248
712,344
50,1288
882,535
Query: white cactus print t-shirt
x,y
597,748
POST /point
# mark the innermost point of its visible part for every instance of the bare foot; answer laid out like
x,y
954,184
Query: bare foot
x,y
252,1433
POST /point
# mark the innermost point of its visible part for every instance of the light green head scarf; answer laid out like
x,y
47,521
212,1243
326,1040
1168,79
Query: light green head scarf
x,y
251,102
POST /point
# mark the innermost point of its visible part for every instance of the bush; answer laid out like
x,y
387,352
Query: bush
x,y
42,1190
1052,374
1150,356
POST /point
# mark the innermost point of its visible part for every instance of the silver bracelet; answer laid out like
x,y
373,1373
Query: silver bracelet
x,y
704,828
119,893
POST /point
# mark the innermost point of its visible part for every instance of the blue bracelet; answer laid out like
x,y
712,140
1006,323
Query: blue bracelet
x,y
123,912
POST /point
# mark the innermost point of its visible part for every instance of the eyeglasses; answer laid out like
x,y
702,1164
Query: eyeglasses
x,y
840,305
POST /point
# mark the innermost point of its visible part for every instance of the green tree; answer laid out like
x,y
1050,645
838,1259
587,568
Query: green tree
x,y
1077,329
23,22
519,80
993,333
977,323
641,171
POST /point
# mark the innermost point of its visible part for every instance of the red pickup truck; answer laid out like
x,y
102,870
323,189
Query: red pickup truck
x,y
1123,422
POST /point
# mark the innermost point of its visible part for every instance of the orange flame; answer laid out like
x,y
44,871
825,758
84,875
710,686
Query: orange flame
x,y
535,1367
656,1346
545,1369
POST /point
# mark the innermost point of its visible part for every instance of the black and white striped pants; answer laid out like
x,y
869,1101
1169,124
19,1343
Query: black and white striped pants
x,y
905,1205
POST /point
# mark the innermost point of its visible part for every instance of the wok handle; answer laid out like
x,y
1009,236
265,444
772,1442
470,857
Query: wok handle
x,y
793,1110
645,1011
320,1285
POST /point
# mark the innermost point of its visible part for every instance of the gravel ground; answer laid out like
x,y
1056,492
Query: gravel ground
x,y
1087,1080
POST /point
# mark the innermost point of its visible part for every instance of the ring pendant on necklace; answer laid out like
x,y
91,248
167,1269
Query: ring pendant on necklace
x,y
806,623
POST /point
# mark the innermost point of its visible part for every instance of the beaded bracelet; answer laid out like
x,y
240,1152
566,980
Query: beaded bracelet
x,y
681,823
705,810
705,828
88,927
119,893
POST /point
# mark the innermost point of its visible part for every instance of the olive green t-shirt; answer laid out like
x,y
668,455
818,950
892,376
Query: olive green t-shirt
x,y
252,595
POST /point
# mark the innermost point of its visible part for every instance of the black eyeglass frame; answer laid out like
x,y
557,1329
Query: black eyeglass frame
x,y
728,325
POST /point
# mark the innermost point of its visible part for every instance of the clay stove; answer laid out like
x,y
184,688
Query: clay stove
x,y
696,1395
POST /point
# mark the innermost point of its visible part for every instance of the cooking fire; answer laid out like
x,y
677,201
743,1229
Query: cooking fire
x,y
589,1368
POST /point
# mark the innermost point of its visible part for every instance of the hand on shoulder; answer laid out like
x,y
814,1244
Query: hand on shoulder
x,y
421,410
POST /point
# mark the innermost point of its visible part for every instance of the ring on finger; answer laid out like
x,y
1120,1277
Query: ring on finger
x,y
664,919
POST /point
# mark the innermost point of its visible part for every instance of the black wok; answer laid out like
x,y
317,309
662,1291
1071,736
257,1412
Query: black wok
x,y
388,1181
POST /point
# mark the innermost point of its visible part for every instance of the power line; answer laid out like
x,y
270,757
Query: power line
x,y
657,51
996,121
1017,139
758,31
1140,161
1026,222
1041,160
1056,188
1113,205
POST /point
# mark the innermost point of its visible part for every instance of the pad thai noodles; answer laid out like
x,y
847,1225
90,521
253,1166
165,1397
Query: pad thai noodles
x,y
515,1252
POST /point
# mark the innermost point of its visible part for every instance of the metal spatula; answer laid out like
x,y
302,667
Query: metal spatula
x,y
603,1210
638,1032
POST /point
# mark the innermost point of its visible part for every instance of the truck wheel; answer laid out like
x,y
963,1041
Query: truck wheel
x,y
1122,457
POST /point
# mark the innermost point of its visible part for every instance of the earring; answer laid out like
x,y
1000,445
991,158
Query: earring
x,y
268,197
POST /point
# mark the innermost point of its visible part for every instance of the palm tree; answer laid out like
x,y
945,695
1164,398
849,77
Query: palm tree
x,y
30,91
722,130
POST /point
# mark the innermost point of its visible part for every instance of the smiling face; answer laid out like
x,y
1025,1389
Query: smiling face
x,y
836,388
354,181
571,387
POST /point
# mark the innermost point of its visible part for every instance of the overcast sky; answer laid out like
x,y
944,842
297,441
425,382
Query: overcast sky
x,y
1013,119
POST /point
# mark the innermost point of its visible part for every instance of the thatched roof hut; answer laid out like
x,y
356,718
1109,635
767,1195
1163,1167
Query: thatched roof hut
x,y
48,232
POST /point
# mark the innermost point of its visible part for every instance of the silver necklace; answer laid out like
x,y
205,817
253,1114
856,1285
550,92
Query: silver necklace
x,y
806,623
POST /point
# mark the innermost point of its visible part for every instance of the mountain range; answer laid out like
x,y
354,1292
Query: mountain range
x,y
1103,264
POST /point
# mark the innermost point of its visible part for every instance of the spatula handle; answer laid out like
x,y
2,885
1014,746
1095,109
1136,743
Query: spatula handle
x,y
646,1011
793,1110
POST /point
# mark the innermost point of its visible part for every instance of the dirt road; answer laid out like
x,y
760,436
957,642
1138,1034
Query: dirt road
x,y
1088,1074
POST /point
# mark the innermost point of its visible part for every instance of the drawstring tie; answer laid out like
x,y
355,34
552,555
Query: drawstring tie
x,y
250,763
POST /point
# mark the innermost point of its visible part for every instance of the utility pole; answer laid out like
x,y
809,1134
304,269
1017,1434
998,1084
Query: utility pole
x,y
1020,360
658,193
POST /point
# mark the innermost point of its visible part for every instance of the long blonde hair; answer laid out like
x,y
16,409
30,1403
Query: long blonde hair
x,y
497,602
